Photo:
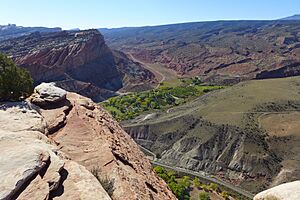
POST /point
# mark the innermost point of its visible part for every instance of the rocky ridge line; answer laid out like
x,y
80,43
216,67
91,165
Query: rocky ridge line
x,y
85,138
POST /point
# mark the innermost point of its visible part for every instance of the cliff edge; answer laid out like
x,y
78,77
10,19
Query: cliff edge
x,y
60,145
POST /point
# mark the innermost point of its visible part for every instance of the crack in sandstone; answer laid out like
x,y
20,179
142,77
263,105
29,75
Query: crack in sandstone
x,y
22,185
62,123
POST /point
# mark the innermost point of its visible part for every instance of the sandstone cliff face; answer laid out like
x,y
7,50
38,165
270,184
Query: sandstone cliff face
x,y
49,151
78,61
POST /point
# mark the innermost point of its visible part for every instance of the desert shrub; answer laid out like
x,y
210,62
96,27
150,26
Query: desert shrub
x,y
204,196
15,82
213,187
224,194
159,170
197,182
96,172
107,184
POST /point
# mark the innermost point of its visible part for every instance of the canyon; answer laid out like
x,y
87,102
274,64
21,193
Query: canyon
x,y
68,147
224,52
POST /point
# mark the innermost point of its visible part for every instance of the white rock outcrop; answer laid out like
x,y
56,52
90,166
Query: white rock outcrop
x,y
48,93
286,191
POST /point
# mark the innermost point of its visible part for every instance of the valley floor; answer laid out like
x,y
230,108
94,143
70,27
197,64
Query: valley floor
x,y
247,134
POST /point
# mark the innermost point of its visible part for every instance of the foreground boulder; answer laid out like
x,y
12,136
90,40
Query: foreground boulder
x,y
48,93
286,191
50,152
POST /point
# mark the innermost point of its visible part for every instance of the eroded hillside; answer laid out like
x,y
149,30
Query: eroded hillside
x,y
247,133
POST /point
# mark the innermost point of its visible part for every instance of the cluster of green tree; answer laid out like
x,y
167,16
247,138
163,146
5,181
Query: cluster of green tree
x,y
15,82
181,186
129,106
192,81
204,196
211,187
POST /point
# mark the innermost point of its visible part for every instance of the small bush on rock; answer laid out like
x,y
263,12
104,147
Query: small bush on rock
x,y
107,184
15,82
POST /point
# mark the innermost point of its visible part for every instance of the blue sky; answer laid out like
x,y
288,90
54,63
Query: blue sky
x,y
119,13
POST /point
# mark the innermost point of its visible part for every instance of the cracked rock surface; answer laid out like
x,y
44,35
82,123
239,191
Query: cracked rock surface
x,y
49,153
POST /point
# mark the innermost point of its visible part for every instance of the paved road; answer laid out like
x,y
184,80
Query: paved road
x,y
148,151
202,175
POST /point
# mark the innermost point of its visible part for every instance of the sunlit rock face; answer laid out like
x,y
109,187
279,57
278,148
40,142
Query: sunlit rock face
x,y
78,61
286,191
48,152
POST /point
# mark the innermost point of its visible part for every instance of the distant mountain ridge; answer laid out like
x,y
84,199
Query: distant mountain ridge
x,y
12,30
293,17
218,51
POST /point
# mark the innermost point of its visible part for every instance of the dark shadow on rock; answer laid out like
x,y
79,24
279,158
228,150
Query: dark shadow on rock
x,y
22,187
55,105
20,104
60,190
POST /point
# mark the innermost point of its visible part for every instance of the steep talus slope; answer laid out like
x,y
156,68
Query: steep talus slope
x,y
135,78
218,51
228,133
78,61
50,151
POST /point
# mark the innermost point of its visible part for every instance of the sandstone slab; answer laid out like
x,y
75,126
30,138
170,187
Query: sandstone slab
x,y
286,191
34,166
48,93
22,159
21,116
79,184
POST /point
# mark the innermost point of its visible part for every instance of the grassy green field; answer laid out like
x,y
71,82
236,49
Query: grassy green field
x,y
228,106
